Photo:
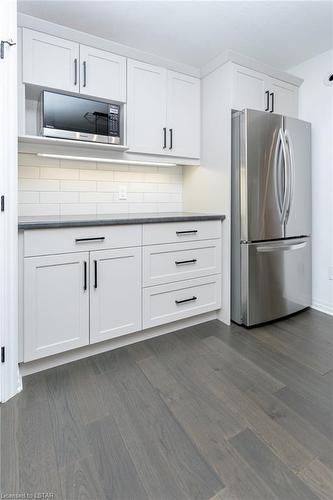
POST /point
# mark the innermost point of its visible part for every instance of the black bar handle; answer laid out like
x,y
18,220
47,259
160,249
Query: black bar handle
x,y
82,240
185,300
164,137
95,271
179,262
84,73
75,71
192,231
171,138
272,102
85,275
267,100
9,42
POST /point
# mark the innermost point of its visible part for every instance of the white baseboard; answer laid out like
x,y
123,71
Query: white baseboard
x,y
322,307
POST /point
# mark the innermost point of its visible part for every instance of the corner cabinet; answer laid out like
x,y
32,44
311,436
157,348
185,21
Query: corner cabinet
x,y
163,111
56,63
56,304
255,90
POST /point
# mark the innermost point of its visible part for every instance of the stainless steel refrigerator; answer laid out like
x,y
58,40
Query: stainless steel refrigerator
x,y
271,216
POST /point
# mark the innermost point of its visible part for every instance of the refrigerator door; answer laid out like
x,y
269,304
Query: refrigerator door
x,y
276,279
298,210
262,176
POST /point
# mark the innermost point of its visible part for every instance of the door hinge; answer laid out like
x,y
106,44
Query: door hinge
x,y
3,357
2,203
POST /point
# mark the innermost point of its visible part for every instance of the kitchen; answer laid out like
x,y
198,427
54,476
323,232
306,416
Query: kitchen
x,y
171,265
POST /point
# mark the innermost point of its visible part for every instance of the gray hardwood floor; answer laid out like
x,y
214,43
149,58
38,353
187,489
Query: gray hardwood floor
x,y
208,412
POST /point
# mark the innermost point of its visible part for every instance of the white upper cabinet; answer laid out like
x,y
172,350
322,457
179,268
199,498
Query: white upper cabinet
x,y
285,97
255,90
163,111
146,107
248,89
50,61
183,115
102,74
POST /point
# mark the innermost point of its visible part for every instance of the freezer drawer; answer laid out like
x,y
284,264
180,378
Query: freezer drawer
x,y
276,279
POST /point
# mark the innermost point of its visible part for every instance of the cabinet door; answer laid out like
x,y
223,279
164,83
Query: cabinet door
x,y
285,98
103,74
183,115
115,293
146,107
56,304
50,61
249,89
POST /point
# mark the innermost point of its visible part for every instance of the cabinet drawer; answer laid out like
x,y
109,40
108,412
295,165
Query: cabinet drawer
x,y
174,232
179,261
167,303
76,239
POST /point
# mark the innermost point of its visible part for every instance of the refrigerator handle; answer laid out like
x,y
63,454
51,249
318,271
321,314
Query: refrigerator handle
x,y
279,195
291,173
286,197
284,247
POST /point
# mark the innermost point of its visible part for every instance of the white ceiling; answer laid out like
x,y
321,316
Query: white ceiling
x,y
279,33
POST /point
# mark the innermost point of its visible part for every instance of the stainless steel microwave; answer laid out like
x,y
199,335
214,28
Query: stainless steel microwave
x,y
71,117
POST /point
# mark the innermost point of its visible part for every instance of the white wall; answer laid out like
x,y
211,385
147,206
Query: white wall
x,y
316,106
49,186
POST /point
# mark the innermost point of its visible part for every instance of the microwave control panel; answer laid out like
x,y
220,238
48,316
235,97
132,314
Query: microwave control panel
x,y
114,120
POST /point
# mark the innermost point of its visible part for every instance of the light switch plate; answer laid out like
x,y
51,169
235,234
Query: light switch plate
x,y
330,272
122,193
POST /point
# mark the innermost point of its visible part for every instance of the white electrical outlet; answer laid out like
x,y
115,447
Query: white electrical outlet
x,y
330,272
122,193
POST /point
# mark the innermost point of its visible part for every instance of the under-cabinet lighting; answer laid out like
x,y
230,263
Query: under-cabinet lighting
x,y
107,160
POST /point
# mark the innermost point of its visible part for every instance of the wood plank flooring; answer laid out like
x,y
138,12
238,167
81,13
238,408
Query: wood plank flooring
x,y
209,413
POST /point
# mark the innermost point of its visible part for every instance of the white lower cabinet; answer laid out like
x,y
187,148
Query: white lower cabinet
x,y
175,301
56,304
115,293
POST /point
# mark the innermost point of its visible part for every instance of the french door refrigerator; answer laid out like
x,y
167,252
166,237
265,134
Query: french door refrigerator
x,y
271,216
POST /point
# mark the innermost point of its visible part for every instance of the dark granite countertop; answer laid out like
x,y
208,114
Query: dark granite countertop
x,y
53,221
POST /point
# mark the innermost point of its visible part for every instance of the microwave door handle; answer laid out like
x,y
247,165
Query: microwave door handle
x,y
84,73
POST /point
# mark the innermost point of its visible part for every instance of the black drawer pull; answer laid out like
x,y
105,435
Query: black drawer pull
x,y
83,240
179,262
95,269
192,231
185,300
85,275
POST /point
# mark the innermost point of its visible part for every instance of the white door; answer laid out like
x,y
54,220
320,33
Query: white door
x,y
50,61
9,374
56,304
249,89
103,74
285,98
183,115
115,293
146,107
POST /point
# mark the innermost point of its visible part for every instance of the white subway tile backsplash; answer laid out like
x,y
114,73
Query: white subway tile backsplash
x,y
38,209
96,197
51,187
28,172
28,197
78,185
77,208
59,197
38,185
59,173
